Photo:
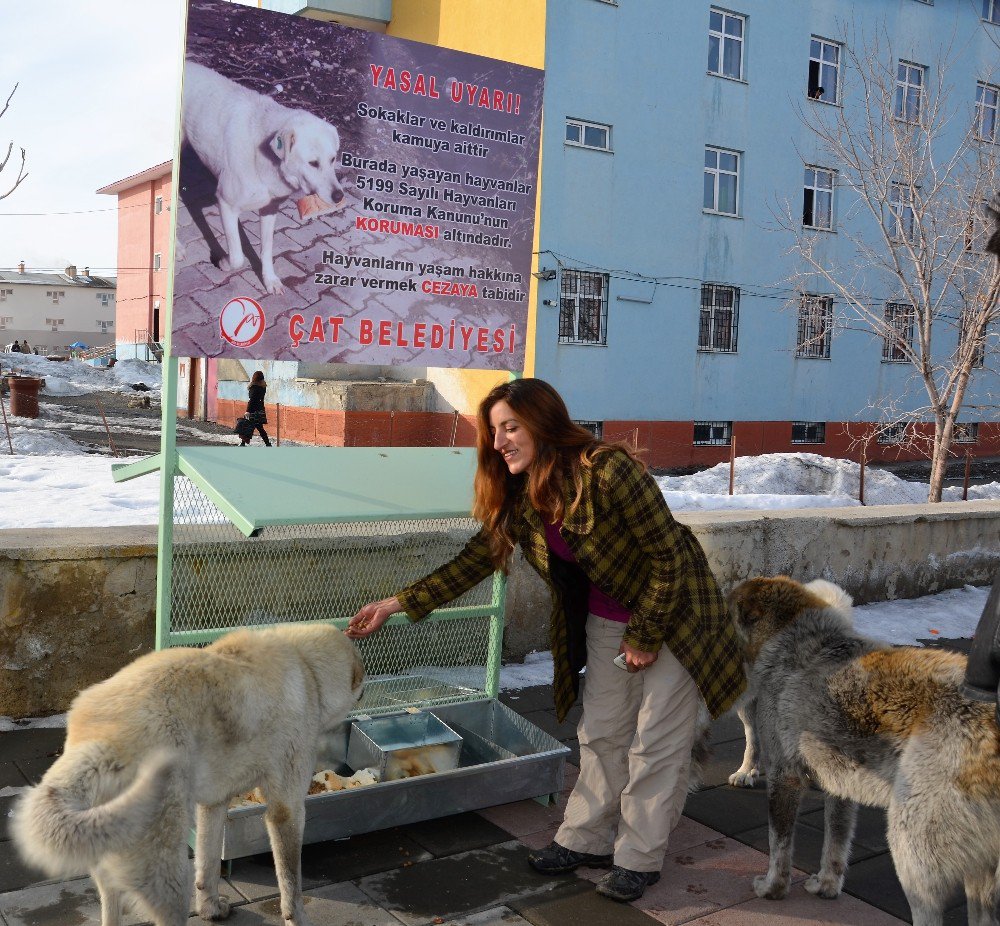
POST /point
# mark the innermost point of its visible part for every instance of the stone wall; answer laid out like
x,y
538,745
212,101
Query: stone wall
x,y
76,605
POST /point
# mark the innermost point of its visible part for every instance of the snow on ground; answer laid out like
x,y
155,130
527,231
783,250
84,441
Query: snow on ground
x,y
75,377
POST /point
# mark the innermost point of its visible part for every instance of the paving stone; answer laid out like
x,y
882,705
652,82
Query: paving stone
x,y
16,874
457,833
800,907
524,817
808,849
725,759
6,805
735,810
525,700
497,916
35,743
32,769
458,884
10,775
577,904
874,881
333,905
726,728
869,832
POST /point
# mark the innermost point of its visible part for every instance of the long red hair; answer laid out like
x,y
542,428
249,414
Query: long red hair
x,y
563,450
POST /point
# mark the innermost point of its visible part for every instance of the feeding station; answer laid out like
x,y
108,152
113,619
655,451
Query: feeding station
x,y
257,536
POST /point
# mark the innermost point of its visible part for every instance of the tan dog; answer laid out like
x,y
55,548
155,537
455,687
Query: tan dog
x,y
878,725
173,737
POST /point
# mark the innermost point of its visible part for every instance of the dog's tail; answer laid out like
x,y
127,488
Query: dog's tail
x,y
59,828
832,595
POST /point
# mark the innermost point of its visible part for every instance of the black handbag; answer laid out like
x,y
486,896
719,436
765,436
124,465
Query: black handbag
x,y
244,428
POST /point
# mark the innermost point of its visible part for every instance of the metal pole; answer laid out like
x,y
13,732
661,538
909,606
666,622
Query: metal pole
x,y
392,423
111,443
965,479
454,429
861,486
277,424
732,463
6,426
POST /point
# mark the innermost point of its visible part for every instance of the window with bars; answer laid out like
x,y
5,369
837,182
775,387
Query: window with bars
x,y
588,134
713,433
808,432
824,71
595,427
991,11
817,198
987,108
722,177
899,332
909,101
815,327
583,307
718,321
902,222
894,433
965,432
55,324
964,333
725,44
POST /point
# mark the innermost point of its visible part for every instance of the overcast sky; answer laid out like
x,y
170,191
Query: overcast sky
x,y
97,102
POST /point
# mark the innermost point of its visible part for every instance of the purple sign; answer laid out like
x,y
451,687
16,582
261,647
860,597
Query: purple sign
x,y
350,197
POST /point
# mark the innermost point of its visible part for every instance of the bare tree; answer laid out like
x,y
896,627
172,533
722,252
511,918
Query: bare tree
x,y
915,176
21,172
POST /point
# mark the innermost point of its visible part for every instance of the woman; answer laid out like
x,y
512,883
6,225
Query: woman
x,y
626,579
256,414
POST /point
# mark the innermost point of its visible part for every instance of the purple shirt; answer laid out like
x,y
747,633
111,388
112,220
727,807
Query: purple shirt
x,y
597,602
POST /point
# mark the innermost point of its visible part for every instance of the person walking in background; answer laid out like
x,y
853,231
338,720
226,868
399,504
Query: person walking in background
x,y
627,581
256,414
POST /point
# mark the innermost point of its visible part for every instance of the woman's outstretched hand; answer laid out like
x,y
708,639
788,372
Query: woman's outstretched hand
x,y
371,617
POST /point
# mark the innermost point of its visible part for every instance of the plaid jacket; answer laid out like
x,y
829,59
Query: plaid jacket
x,y
629,545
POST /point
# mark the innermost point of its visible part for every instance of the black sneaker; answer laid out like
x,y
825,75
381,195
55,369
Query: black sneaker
x,y
623,884
555,859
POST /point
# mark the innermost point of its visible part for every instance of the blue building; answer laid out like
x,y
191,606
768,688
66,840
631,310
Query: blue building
x,y
669,309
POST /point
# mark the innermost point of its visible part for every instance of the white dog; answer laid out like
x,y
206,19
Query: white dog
x,y
182,729
261,153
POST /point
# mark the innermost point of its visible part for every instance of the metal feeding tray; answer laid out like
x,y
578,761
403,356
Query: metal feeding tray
x,y
501,758
403,745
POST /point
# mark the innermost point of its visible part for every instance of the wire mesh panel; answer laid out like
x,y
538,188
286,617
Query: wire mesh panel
x,y
222,580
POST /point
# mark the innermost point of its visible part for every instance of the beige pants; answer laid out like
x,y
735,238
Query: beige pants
x,y
636,734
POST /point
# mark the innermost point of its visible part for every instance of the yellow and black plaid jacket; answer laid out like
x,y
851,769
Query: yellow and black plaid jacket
x,y
628,544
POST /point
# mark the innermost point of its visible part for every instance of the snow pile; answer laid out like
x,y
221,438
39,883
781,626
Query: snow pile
x,y
74,377
127,372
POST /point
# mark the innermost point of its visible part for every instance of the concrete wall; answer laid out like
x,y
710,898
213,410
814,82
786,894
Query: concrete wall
x,y
76,605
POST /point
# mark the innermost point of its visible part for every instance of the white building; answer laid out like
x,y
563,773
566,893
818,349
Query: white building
x,y
54,310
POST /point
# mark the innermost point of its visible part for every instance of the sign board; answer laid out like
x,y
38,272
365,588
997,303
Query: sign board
x,y
350,197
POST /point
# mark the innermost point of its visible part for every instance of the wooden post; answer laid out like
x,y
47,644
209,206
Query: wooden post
x,y
111,443
732,463
392,428
277,424
6,426
965,479
454,429
861,486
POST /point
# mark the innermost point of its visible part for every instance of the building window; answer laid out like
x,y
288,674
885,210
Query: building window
x,y
824,71
894,433
909,100
6,320
808,432
817,199
54,324
158,205
722,175
55,295
987,106
588,134
4,293
719,318
902,223
991,11
713,433
815,327
583,307
725,44
896,345
157,262
105,325
965,432
595,427
104,299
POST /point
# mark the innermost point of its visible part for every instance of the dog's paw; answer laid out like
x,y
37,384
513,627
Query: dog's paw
x,y
273,285
770,890
823,886
214,908
744,778
228,265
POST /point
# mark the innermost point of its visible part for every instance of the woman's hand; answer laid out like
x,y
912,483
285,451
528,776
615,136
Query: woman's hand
x,y
371,617
636,659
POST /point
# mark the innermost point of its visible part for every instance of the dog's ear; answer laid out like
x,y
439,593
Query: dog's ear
x,y
282,142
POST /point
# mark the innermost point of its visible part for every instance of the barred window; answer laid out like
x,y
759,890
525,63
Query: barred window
x,y
158,205
157,261
815,327
55,323
965,432
595,427
894,433
718,321
6,320
4,293
899,332
104,299
713,433
808,432
583,307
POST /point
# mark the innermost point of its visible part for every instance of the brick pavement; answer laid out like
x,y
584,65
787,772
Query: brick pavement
x,y
471,870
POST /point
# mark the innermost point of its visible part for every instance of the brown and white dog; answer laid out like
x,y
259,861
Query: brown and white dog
x,y
872,724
